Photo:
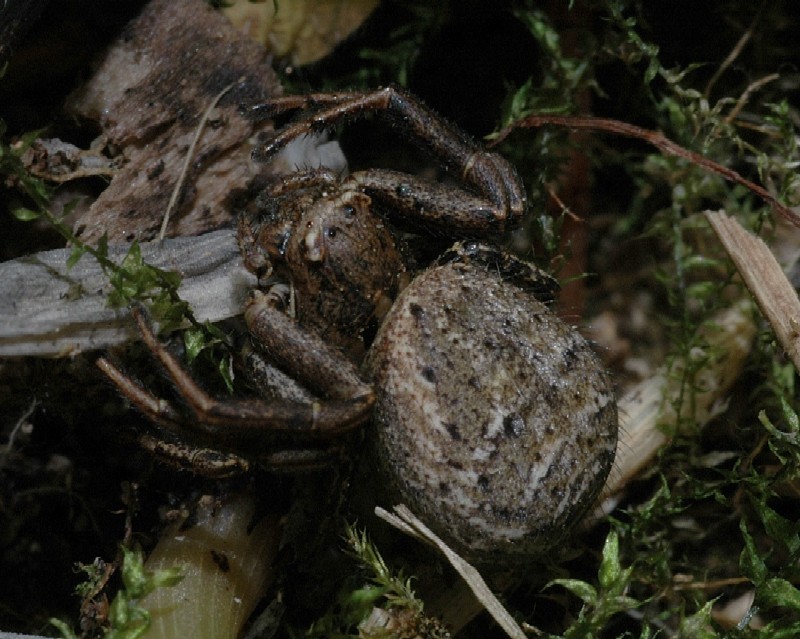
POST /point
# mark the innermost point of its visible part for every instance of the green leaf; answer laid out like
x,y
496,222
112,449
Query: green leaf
x,y
779,528
790,415
366,597
580,589
610,569
25,214
698,625
119,609
138,581
166,577
134,577
785,445
102,246
750,562
653,67
75,255
779,630
66,631
195,340
701,261
702,290
127,622
225,368
779,592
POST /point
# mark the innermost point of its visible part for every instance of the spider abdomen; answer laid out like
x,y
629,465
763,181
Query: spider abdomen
x,y
495,421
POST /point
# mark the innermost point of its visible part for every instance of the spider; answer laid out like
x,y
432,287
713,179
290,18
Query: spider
x,y
490,415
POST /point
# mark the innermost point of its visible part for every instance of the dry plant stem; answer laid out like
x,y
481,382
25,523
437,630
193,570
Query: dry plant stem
x,y
404,520
765,280
716,584
737,49
9,447
750,90
227,565
575,196
187,162
658,140
648,413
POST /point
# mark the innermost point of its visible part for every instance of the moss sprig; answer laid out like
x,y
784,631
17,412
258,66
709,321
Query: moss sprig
x,y
126,618
384,606
601,602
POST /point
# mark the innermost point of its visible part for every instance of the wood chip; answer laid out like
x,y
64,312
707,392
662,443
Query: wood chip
x,y
48,310
764,278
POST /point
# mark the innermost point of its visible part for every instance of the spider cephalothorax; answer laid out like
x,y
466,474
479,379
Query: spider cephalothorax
x,y
320,234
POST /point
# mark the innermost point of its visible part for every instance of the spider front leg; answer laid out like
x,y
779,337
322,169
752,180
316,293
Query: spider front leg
x,y
162,439
499,199
239,424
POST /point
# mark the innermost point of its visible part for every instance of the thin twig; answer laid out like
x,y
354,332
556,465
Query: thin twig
x,y
658,140
17,427
189,155
711,585
752,88
735,52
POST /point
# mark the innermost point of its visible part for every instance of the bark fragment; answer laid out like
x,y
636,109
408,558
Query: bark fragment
x,y
148,95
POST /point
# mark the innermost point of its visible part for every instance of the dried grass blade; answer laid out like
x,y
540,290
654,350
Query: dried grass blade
x,y
764,278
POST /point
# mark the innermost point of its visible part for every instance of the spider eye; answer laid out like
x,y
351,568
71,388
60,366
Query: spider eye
x,y
349,210
283,241
330,232
403,190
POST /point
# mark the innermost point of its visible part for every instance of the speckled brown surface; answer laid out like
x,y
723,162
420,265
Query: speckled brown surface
x,y
497,420
148,95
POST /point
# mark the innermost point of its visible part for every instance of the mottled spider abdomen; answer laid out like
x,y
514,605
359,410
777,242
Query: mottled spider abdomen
x,y
495,421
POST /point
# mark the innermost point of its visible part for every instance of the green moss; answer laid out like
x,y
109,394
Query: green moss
x,y
375,587
126,619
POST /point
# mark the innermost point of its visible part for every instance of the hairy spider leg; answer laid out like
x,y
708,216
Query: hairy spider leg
x,y
242,418
492,177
